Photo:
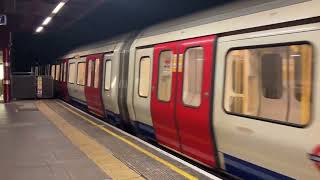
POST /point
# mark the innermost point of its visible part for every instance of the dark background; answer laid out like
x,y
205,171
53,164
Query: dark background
x,y
112,18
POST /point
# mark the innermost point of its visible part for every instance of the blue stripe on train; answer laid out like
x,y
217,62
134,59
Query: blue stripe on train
x,y
146,130
113,118
79,103
248,170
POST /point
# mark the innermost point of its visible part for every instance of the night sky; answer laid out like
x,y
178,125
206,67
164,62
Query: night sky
x,y
112,18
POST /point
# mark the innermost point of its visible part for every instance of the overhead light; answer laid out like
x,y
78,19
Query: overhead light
x,y
46,21
39,29
59,6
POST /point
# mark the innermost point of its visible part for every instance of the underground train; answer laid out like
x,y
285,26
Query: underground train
x,y
234,88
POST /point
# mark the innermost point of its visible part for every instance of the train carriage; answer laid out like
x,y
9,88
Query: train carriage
x,y
233,88
94,79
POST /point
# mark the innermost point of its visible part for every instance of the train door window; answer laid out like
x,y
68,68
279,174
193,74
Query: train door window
x,y
71,73
65,72
144,76
53,71
107,75
96,73
61,72
90,67
57,72
81,71
1,76
272,83
192,76
165,76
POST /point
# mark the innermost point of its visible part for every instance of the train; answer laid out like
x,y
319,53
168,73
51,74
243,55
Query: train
x,y
234,88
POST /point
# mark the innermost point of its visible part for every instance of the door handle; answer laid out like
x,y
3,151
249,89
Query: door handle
x,y
206,94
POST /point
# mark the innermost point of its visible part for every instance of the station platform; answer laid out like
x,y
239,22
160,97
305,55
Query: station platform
x,y
51,140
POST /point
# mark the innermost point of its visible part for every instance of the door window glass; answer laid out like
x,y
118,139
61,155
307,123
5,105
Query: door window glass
x,y
61,72
65,72
144,76
81,71
107,75
165,76
90,67
270,83
53,71
72,73
192,76
96,73
57,72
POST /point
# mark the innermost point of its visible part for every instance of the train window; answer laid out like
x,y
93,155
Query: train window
x,y
192,76
165,76
96,73
81,71
36,70
237,73
271,75
90,67
297,75
57,72
65,72
61,72
53,71
72,70
144,76
271,83
107,75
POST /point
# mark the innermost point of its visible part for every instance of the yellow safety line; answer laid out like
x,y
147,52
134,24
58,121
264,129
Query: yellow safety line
x,y
96,152
166,163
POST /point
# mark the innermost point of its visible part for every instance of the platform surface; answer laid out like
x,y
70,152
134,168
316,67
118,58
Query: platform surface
x,y
49,139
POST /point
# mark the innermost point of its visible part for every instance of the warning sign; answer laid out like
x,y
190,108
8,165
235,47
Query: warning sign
x,y
174,63
180,67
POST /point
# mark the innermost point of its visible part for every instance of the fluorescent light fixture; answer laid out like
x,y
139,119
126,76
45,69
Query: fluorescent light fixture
x,y
59,6
46,21
39,29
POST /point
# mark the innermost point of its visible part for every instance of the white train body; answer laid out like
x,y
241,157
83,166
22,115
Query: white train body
x,y
255,107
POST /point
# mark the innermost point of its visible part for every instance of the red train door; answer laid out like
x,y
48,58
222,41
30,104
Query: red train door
x,y
181,97
163,97
194,94
93,84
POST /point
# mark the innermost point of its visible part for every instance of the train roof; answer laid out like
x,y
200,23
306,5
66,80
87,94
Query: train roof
x,y
103,46
233,16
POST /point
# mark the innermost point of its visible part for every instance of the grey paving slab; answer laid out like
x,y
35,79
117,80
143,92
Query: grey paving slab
x,y
34,149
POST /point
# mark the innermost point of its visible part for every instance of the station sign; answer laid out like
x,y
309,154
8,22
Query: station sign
x,y
3,20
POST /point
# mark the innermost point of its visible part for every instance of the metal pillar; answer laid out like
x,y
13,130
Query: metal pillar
x,y
6,76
